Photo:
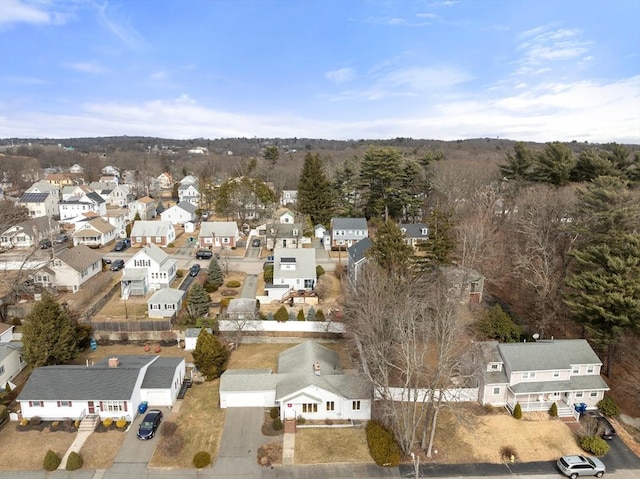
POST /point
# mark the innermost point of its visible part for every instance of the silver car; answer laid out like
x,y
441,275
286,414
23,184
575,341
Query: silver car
x,y
574,466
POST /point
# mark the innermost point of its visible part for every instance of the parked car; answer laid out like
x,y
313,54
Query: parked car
x,y
204,254
150,424
605,428
62,238
575,466
121,245
45,244
255,243
117,265
194,270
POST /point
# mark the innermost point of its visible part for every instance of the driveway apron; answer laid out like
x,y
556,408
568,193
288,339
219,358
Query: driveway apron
x,y
241,438
135,451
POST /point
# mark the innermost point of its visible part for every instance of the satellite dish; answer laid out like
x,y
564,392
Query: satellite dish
x,y
536,336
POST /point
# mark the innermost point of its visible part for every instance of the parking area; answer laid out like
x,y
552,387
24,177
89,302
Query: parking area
x,y
134,450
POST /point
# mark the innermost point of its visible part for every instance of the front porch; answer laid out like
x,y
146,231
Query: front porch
x,y
531,403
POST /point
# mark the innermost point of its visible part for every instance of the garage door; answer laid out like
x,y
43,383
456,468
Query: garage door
x,y
158,398
242,399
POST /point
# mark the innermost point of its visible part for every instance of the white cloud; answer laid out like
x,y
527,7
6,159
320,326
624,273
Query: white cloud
x,y
91,67
38,13
341,75
544,45
120,27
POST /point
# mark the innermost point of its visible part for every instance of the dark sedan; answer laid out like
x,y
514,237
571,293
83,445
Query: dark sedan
x,y
150,424
605,428
194,270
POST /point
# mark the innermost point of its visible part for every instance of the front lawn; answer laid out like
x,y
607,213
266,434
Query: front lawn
x,y
331,445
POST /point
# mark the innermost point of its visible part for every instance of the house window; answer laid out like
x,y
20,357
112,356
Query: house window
x,y
556,374
593,394
309,407
36,403
496,390
1,370
155,306
355,405
64,403
590,369
579,394
158,239
113,406
529,375
494,367
331,406
575,370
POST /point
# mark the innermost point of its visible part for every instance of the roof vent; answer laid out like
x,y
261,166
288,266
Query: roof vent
x,y
316,368
114,362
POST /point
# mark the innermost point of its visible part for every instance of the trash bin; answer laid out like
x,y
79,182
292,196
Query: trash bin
x,y
143,407
581,408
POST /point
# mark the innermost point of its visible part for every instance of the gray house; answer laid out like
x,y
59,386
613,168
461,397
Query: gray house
x,y
414,233
165,303
346,232
293,270
357,258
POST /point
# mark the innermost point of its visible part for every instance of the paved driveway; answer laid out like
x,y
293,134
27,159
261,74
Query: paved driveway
x,y
250,286
135,451
241,438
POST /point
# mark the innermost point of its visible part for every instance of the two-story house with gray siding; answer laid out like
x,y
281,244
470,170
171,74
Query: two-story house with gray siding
x,y
346,232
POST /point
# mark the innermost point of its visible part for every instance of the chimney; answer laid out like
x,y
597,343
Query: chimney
x,y
316,368
114,362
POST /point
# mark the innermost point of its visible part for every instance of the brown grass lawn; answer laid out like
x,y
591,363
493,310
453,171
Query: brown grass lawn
x,y
128,349
200,424
100,449
324,445
257,356
25,450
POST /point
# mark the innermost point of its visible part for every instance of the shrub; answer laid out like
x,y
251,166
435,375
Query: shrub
x,y
76,423
55,424
201,459
508,453
608,407
229,292
319,271
179,273
595,445
274,413
301,315
233,284
51,461
121,423
224,302
74,461
517,411
553,411
488,408
4,412
382,445
171,245
311,314
300,420
281,315
277,424
24,421
320,315
36,420
107,422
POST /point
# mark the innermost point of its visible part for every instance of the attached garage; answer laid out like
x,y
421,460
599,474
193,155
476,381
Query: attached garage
x,y
157,398
248,388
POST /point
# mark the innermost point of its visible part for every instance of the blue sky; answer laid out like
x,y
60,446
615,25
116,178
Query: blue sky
x,y
347,69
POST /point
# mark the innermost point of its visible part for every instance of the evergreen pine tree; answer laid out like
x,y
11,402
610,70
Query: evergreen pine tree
x,y
315,195
440,244
320,315
281,315
292,316
311,314
198,301
160,207
389,249
301,315
50,335
214,274
519,164
210,357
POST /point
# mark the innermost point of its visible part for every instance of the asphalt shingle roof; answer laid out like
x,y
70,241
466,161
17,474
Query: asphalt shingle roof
x,y
218,228
547,355
358,251
160,373
79,258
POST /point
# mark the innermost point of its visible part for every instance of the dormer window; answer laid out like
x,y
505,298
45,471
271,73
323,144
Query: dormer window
x,y
295,232
403,230
424,231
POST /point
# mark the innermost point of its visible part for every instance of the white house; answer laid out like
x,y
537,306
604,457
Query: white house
x,y
11,360
29,233
346,232
189,180
165,303
288,235
70,268
144,207
40,204
286,216
160,233
180,213
149,269
289,197
120,196
44,187
76,169
165,181
77,205
537,374
191,338
188,192
110,170
218,234
293,270
414,233
309,382
113,387
319,231
96,232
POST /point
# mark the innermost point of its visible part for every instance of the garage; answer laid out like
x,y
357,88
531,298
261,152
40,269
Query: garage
x,y
158,398
246,399
248,388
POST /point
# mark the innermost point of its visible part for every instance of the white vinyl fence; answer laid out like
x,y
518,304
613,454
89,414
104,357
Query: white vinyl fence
x,y
421,395
227,325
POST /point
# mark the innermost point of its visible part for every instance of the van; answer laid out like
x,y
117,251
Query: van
x,y
204,254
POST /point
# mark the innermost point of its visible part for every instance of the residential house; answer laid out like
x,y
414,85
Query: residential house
x,y
165,303
94,233
110,170
293,270
289,197
191,337
70,268
144,207
188,192
160,233
309,383
357,258
180,213
79,204
40,204
44,187
71,191
150,269
218,234
286,216
76,169
60,179
120,196
466,282
284,235
29,233
165,181
112,180
319,231
112,388
11,360
539,373
189,180
414,233
346,232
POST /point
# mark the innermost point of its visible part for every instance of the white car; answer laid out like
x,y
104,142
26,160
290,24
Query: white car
x,y
575,466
